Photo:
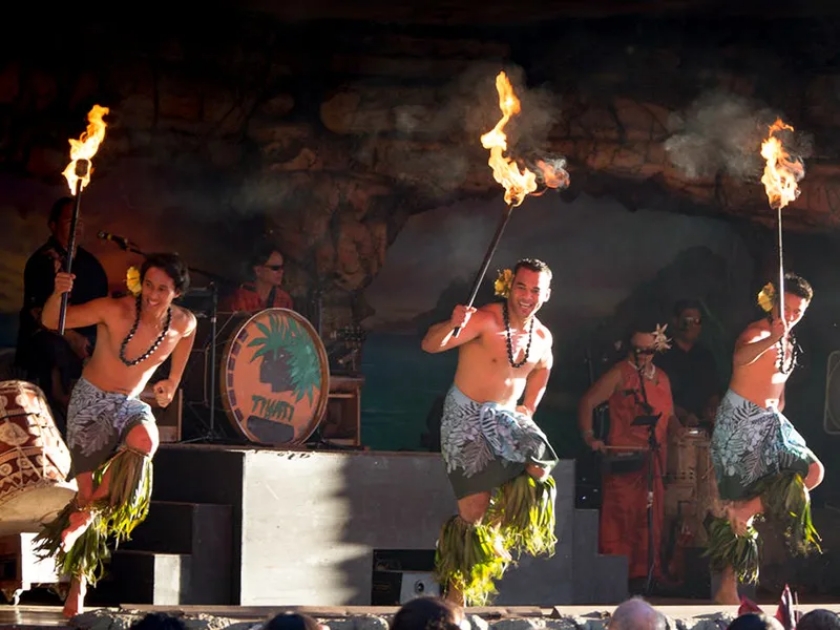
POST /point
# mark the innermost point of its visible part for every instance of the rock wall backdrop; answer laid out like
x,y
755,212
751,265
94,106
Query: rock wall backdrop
x,y
355,146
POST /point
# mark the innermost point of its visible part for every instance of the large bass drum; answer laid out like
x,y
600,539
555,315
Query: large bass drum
x,y
274,378
34,461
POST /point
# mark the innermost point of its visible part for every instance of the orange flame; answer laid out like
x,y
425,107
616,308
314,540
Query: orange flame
x,y
782,171
85,148
517,184
554,175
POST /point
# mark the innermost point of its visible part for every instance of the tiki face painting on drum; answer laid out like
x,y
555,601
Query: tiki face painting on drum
x,y
275,378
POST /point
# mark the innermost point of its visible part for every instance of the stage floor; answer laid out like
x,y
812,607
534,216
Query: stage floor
x,y
31,617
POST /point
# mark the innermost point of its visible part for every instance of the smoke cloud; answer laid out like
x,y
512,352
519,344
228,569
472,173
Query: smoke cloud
x,y
722,133
454,117
475,93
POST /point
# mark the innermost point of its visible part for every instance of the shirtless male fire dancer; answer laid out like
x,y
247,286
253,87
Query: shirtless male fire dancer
x,y
497,459
111,433
762,465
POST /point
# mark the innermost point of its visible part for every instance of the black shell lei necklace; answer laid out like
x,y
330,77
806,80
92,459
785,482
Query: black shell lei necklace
x,y
786,367
510,345
133,330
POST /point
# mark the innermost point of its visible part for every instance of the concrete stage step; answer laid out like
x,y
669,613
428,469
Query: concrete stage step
x,y
181,527
199,534
599,579
144,577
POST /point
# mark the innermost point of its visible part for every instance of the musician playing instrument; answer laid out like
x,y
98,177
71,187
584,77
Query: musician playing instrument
x,y
623,525
111,434
265,290
47,359
691,368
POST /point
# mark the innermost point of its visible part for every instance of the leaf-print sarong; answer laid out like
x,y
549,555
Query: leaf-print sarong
x,y
485,445
751,443
97,423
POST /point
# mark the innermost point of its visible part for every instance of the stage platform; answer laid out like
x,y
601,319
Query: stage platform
x,y
260,526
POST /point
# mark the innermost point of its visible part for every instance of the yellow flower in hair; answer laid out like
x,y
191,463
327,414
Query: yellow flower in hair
x,y
503,283
132,281
767,297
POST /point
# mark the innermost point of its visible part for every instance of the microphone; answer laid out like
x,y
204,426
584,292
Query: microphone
x,y
119,240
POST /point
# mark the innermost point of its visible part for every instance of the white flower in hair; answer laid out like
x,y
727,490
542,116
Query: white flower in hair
x,y
660,339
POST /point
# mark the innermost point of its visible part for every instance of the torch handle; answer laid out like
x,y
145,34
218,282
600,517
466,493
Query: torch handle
x,y
488,256
71,248
781,296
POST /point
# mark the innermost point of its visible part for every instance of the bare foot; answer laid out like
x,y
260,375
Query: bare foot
x,y
75,602
727,593
79,522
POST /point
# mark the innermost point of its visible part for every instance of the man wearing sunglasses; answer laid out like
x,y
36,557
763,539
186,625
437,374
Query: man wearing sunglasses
x,y
264,291
691,368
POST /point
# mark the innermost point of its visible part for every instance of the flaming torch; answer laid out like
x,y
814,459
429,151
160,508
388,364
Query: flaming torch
x,y
78,174
517,183
782,173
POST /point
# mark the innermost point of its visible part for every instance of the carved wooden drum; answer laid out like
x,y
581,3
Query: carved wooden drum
x,y
692,490
274,378
34,461
689,458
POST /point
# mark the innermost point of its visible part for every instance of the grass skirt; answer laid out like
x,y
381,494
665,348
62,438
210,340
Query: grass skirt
x,y
728,549
785,499
523,508
470,557
126,506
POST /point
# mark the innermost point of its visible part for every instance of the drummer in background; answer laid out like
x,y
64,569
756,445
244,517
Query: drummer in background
x,y
691,368
51,361
264,291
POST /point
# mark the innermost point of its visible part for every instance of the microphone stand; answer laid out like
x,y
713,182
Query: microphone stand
x,y
211,435
650,421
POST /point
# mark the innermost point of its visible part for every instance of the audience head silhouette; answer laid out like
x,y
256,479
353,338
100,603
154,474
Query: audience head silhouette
x,y
754,621
292,621
819,619
428,613
159,621
637,614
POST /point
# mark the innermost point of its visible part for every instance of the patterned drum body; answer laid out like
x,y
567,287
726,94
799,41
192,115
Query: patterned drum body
x,y
34,461
691,490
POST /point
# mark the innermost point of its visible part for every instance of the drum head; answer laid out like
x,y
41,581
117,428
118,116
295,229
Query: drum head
x,y
275,378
